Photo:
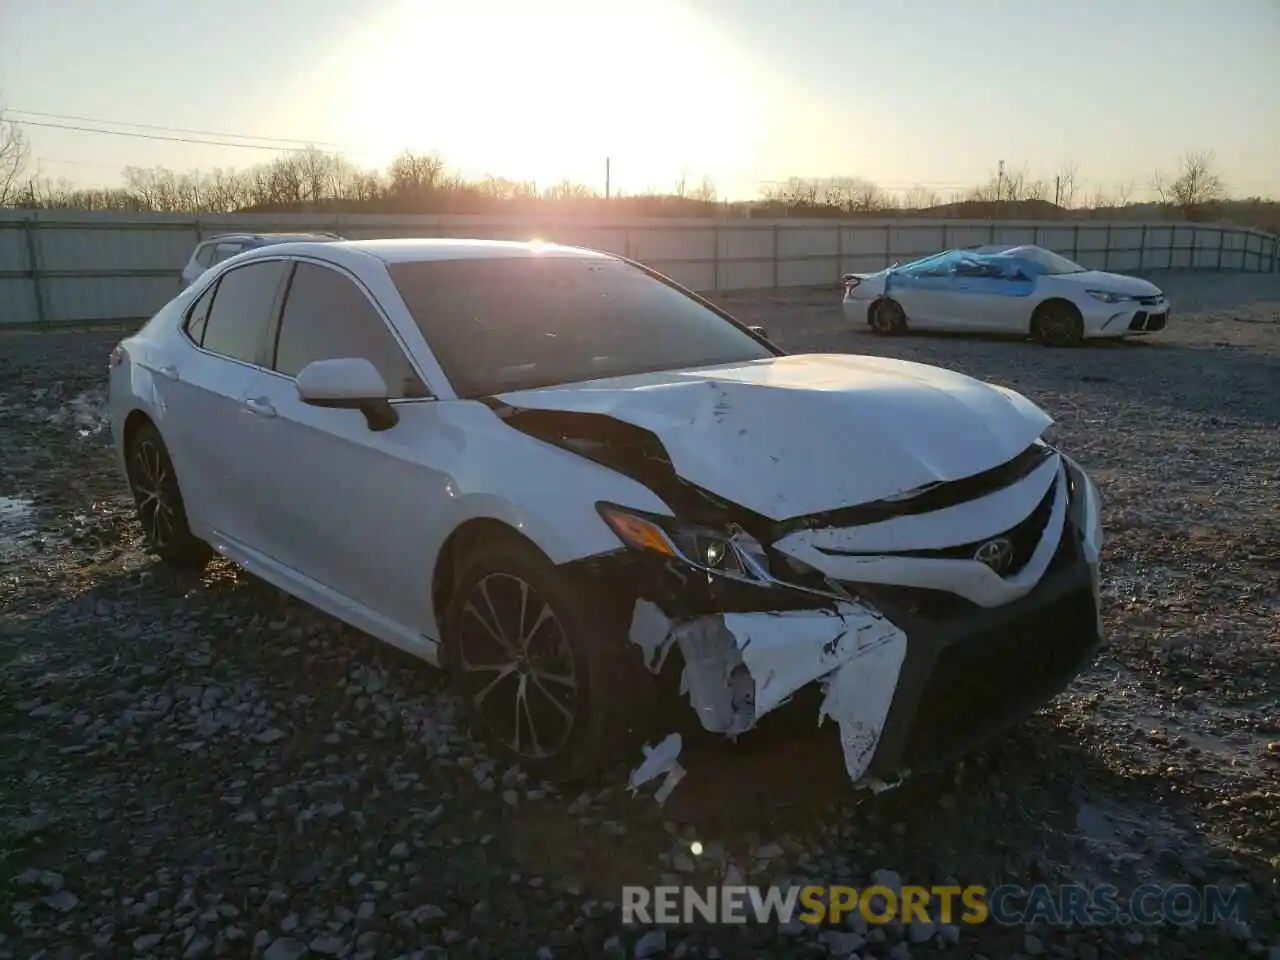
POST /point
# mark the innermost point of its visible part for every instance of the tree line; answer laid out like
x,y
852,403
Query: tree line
x,y
314,180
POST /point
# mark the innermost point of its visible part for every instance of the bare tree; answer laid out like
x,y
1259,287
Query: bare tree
x,y
681,188
705,191
14,154
919,198
1066,183
15,151
1124,191
415,174
1197,182
568,190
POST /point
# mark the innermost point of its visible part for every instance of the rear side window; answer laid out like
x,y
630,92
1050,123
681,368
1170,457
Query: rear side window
x,y
326,316
204,255
242,308
224,250
199,314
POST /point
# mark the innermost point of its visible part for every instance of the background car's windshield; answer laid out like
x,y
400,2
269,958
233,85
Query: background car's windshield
x,y
1047,260
502,324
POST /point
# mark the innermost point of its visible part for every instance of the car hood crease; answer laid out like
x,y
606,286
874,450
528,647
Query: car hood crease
x,y
797,435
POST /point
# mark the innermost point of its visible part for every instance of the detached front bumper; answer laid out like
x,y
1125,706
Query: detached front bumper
x,y
913,677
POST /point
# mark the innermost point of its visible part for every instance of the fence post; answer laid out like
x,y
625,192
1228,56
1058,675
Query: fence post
x,y
715,238
1195,235
777,249
1222,240
1275,254
1106,250
839,249
33,265
1142,248
1075,243
888,246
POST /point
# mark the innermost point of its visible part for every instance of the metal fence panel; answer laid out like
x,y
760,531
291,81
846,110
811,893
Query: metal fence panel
x,y
73,267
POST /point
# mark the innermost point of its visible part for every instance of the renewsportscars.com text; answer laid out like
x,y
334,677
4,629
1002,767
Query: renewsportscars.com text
x,y
1064,905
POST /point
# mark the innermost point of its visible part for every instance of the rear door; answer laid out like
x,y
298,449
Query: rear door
x,y
922,289
204,422
345,506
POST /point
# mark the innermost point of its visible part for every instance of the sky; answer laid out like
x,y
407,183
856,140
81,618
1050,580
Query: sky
x,y
932,93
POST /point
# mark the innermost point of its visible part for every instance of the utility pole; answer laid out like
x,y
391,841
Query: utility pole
x,y
999,186
1057,190
607,171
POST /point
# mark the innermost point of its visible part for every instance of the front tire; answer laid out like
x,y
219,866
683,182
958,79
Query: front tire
x,y
888,318
161,510
1057,324
546,669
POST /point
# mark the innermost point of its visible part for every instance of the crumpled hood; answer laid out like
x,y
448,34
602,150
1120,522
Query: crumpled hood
x,y
795,435
1112,282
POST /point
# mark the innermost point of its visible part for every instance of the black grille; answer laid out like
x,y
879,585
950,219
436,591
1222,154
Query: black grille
x,y
917,601
1148,301
1143,321
997,676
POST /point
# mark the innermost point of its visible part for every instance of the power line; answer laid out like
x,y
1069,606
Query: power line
x,y
157,136
165,129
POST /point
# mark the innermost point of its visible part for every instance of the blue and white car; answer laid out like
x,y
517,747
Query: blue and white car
x,y
1023,290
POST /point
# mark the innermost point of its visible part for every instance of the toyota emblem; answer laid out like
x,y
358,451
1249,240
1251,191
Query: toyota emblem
x,y
996,554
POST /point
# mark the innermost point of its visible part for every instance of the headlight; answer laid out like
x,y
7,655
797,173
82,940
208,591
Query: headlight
x,y
732,553
1106,296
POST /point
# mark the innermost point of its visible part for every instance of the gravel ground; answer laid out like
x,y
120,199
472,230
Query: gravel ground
x,y
201,766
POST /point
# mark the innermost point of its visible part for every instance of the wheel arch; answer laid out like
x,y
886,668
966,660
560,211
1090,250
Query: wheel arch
x,y
133,422
1056,299
464,538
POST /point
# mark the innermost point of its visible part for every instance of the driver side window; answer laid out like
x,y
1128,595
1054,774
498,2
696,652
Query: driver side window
x,y
326,317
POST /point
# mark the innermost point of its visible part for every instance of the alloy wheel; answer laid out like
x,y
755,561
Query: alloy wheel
x,y
153,491
1057,327
887,317
517,667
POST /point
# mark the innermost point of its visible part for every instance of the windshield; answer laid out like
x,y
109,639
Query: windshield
x,y
513,323
1048,261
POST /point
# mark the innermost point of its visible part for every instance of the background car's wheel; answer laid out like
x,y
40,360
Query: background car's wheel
x,y
546,669
161,512
887,317
1057,324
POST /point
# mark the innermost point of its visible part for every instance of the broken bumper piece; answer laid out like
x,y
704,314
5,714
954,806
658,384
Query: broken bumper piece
x,y
911,686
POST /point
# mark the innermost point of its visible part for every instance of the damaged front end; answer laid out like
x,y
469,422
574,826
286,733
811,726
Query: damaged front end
x,y
926,620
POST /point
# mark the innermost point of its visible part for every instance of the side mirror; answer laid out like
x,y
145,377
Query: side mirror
x,y
348,383
759,331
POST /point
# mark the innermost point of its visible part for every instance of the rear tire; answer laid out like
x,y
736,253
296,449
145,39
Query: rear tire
x,y
1057,324
887,318
161,510
544,665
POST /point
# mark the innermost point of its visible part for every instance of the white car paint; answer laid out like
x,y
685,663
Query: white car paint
x,y
758,460
950,301
354,519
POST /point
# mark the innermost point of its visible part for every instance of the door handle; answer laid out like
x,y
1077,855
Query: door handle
x,y
260,406
169,371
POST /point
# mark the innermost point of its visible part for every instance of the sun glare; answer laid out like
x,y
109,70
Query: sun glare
x,y
545,92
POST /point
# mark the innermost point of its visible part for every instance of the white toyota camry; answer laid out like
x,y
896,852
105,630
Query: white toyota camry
x,y
1024,290
548,468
